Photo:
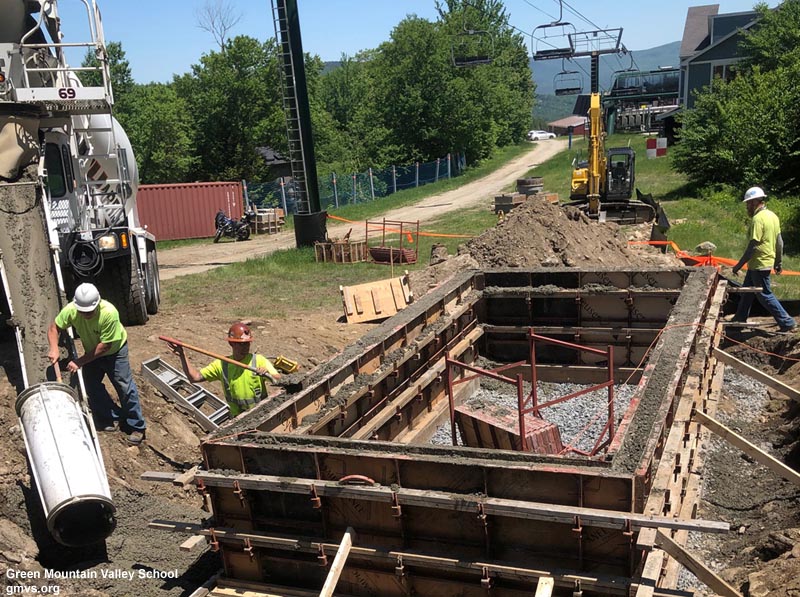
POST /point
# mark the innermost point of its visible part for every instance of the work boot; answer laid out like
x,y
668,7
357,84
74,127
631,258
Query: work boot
x,y
135,438
108,427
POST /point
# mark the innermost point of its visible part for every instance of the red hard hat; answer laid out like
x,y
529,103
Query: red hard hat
x,y
239,332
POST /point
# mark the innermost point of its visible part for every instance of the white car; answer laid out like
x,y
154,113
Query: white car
x,y
540,135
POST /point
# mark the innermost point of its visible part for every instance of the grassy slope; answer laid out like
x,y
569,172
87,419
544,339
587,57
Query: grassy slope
x,y
720,218
291,282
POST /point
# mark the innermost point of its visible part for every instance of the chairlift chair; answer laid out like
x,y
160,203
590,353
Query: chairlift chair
x,y
567,82
472,47
553,40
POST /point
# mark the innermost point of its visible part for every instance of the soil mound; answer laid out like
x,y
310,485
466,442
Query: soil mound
x,y
540,234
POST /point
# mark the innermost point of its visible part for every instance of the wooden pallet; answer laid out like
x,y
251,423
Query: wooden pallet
x,y
269,221
345,251
376,300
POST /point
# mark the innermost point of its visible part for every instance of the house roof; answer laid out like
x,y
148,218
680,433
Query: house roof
x,y
738,31
568,121
695,31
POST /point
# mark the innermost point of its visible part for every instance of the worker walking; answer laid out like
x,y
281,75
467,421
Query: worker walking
x,y
764,252
243,389
105,345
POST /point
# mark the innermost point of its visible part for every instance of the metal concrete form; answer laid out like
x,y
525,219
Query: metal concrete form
x,y
348,446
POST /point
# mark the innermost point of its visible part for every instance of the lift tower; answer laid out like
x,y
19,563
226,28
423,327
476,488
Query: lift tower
x,y
310,218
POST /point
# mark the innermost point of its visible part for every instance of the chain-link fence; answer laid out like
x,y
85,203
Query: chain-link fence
x,y
338,190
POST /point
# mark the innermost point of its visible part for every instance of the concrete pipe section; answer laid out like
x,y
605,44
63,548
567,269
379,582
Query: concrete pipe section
x,y
66,465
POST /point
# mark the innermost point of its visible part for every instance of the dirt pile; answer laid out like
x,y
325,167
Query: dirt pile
x,y
540,234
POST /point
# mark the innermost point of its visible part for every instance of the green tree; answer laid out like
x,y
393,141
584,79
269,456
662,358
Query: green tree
x,y
744,132
234,101
775,40
119,70
747,131
160,129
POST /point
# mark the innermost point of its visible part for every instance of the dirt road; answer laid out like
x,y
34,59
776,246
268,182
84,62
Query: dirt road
x,y
198,258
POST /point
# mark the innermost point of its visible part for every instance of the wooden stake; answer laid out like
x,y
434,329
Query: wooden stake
x,y
695,566
338,563
745,446
767,380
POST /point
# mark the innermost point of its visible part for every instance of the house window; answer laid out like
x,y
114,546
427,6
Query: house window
x,y
726,72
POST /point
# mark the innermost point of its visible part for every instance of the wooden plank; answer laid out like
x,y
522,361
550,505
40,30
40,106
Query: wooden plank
x,y
193,542
338,563
544,588
748,448
694,565
461,502
186,477
767,380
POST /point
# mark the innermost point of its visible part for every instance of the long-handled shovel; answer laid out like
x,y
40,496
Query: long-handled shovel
x,y
213,355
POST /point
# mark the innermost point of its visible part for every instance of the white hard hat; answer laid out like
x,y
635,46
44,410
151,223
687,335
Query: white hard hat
x,y
754,193
87,297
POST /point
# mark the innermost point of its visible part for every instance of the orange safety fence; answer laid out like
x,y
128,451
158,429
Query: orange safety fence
x,y
408,234
699,260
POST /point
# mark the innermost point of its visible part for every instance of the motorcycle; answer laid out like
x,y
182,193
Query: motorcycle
x,y
237,230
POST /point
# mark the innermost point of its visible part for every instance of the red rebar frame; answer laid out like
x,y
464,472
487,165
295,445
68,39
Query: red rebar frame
x,y
535,407
523,401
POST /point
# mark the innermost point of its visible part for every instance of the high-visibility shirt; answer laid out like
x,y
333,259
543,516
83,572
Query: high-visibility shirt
x,y
764,229
243,389
104,326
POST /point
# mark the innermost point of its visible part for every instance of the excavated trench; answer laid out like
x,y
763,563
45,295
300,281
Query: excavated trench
x,y
354,442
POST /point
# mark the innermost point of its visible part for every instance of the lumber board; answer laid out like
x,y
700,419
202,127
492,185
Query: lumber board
x,y
461,502
767,380
544,588
748,448
193,542
694,565
338,563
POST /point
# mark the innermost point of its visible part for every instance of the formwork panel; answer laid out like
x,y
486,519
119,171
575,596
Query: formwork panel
x,y
427,499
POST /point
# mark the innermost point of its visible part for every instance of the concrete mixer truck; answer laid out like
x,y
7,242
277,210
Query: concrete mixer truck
x,y
68,180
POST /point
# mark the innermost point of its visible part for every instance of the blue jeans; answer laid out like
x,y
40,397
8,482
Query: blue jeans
x,y
769,301
104,410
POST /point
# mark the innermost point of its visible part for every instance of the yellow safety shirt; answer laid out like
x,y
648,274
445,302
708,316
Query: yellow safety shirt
x,y
243,389
764,229
103,327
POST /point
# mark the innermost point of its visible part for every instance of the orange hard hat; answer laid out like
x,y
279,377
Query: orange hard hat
x,y
239,332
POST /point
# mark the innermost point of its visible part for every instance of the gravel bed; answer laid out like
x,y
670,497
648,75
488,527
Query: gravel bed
x,y
571,416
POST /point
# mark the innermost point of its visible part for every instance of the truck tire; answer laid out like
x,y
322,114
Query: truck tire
x,y
152,288
121,284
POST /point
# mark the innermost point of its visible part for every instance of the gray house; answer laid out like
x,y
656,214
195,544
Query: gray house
x,y
710,47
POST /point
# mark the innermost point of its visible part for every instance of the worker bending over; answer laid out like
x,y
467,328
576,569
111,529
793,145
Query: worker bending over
x,y
105,345
763,253
243,389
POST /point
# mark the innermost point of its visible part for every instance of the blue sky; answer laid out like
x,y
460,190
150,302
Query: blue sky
x,y
161,37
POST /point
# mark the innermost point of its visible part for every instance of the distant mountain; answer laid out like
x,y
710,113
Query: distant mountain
x,y
544,71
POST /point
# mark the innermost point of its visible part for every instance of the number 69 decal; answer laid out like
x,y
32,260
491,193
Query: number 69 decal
x,y
66,93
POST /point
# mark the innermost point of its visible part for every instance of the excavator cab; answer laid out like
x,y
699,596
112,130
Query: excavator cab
x,y
620,177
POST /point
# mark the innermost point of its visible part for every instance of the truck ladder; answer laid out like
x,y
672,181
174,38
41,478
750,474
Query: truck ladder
x,y
189,397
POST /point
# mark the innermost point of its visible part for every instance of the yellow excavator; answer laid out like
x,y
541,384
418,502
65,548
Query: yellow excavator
x,y
603,184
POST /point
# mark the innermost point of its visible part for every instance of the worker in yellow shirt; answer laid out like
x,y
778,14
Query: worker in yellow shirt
x,y
243,389
105,345
764,253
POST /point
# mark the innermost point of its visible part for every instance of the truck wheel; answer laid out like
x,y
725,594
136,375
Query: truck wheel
x,y
152,283
122,285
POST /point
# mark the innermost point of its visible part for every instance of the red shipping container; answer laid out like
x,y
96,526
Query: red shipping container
x,y
179,211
